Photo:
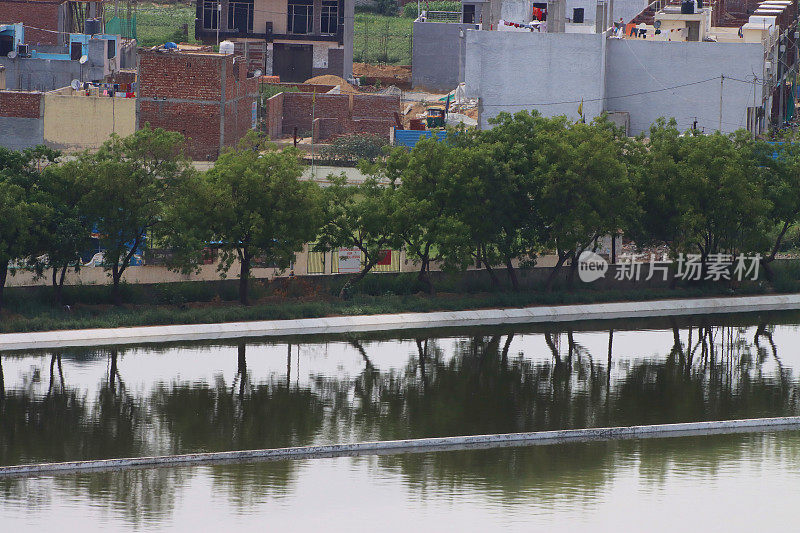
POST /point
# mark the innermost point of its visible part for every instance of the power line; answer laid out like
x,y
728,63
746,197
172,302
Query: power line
x,y
607,97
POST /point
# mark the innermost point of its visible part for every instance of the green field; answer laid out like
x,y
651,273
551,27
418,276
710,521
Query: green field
x,y
157,23
377,38
382,39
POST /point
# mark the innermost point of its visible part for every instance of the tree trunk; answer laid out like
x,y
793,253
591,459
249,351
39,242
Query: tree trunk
x,y
424,276
488,267
3,276
112,373
244,278
355,279
58,285
778,241
116,275
512,274
555,270
242,368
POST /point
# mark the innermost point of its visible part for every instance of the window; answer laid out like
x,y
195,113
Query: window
x,y
330,17
240,16
301,16
469,14
577,15
210,15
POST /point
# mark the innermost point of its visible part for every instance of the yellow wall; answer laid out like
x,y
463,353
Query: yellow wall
x,y
274,10
84,122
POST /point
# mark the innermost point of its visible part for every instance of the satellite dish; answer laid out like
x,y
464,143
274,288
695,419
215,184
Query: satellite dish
x,y
12,54
657,24
76,85
83,60
258,73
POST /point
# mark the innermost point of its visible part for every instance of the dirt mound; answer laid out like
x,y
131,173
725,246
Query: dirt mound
x,y
382,71
330,79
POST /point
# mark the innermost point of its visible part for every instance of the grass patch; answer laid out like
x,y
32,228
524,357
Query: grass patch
x,y
160,23
29,309
382,39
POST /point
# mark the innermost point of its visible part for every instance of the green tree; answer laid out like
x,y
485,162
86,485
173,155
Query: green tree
x,y
66,228
585,187
421,215
128,183
259,208
781,170
356,216
21,208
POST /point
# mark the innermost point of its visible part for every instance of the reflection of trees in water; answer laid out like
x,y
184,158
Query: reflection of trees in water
x,y
478,386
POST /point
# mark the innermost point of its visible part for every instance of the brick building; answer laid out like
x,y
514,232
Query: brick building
x,y
205,96
21,119
44,19
327,116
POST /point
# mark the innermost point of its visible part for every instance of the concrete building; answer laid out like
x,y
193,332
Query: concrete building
x,y
46,67
439,46
21,119
679,64
293,39
208,97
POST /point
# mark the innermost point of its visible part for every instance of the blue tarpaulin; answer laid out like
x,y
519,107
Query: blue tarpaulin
x,y
409,138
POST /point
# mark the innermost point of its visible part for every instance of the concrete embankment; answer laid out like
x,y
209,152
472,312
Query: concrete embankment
x,y
402,321
416,445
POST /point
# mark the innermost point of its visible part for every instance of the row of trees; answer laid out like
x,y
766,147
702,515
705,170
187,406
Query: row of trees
x,y
491,198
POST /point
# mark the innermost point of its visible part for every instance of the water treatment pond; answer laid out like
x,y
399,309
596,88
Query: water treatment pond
x,y
133,401
723,483
175,398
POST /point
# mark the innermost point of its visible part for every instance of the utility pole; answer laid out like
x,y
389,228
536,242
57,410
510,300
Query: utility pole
x,y
721,85
755,113
219,19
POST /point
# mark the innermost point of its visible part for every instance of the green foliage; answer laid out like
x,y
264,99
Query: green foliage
x,y
127,187
382,39
410,9
355,147
354,216
255,207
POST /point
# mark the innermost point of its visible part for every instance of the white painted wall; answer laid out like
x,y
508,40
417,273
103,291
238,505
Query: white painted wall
x,y
512,71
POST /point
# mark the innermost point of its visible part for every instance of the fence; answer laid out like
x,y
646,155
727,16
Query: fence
x,y
317,260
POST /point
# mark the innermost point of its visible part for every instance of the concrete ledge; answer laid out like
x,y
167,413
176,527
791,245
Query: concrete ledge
x,y
417,445
407,321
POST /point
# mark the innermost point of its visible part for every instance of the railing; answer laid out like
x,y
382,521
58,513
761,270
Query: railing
x,y
442,16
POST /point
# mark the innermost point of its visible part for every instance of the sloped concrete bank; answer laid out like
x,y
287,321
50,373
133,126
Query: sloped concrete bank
x,y
401,321
416,445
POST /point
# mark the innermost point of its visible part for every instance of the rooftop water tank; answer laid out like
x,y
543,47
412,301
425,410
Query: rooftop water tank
x,y
226,47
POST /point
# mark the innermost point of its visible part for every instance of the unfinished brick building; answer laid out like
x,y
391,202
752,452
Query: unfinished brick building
x,y
327,116
205,96
43,19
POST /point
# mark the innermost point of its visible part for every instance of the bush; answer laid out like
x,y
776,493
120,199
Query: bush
x,y
410,10
355,147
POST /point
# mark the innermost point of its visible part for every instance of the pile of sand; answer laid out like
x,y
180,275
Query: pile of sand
x,y
330,79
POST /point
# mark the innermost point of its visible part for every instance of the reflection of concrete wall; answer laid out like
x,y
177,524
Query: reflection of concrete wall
x,y
439,54
636,66
512,71
81,122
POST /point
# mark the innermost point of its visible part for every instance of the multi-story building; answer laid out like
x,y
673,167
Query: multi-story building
x,y
298,39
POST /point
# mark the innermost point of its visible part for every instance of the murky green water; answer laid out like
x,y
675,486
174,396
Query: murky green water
x,y
79,404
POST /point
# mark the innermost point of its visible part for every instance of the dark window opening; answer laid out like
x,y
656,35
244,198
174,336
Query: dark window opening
x,y
577,15
112,49
469,14
330,17
301,16
240,16
210,15
6,45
